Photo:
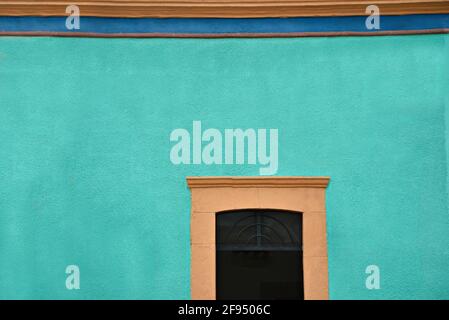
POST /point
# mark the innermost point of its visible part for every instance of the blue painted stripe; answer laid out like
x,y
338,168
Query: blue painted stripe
x,y
218,25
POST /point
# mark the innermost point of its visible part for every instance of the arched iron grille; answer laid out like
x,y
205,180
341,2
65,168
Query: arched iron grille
x,y
258,230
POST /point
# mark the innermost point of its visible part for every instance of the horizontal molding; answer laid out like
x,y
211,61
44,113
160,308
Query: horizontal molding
x,y
222,8
220,36
259,182
223,28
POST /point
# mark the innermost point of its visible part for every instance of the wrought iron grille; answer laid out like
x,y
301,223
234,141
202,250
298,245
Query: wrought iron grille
x,y
259,230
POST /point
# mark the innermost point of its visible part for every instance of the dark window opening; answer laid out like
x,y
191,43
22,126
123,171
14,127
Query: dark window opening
x,y
259,255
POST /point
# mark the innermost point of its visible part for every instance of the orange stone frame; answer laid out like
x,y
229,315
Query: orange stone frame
x,y
306,195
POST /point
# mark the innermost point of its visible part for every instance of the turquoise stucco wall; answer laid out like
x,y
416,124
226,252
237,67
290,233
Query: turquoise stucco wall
x,y
86,178
446,109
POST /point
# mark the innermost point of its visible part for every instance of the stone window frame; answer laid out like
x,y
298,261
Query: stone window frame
x,y
211,195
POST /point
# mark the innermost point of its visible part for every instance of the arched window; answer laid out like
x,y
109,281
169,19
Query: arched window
x,y
259,255
258,237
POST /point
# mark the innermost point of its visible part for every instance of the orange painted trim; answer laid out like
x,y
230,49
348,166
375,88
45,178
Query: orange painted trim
x,y
221,8
257,182
298,195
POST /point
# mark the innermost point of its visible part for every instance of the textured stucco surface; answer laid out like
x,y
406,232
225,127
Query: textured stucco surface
x,y
86,178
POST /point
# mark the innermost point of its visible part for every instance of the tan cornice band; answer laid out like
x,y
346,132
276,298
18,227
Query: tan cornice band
x,y
221,9
267,182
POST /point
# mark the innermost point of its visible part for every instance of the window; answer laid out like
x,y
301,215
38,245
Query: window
x,y
217,201
259,255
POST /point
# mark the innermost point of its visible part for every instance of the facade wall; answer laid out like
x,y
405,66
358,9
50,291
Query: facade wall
x,y
86,176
